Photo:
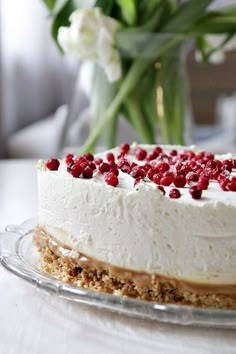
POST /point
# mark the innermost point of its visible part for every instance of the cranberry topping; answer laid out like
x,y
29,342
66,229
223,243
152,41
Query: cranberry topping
x,y
138,171
110,157
75,170
157,178
87,172
140,154
151,156
69,158
157,150
166,180
53,164
98,161
124,148
124,165
137,181
174,193
80,160
232,184
192,178
103,167
115,171
203,182
224,184
173,152
111,179
196,192
180,181
163,167
89,156
161,188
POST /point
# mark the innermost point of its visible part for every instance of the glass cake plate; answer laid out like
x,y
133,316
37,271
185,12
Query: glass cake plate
x,y
19,256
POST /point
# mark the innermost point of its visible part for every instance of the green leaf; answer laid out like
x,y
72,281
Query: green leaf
x,y
58,7
128,9
50,4
62,19
215,23
105,5
187,15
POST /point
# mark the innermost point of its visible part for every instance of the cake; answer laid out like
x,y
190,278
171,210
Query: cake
x,y
149,222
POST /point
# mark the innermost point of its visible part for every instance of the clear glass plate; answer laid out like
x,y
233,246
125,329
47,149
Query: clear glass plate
x,y
19,256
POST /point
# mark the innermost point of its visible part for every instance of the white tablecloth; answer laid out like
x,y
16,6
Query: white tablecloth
x,y
33,322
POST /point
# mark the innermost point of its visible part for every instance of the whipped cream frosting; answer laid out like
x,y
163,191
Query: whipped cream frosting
x,y
142,229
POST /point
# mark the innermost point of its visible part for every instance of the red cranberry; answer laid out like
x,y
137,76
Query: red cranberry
x,y
80,160
215,173
124,148
53,164
89,156
157,150
75,170
140,154
103,167
196,192
83,164
173,152
111,179
163,167
224,184
211,164
227,165
232,184
223,175
151,156
137,181
203,183
110,157
192,178
124,166
157,178
151,172
147,166
209,156
161,189
133,164
98,161
138,171
87,172
92,165
115,171
180,181
69,158
174,193
166,180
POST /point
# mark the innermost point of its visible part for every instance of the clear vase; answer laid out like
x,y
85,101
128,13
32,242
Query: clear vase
x,y
152,97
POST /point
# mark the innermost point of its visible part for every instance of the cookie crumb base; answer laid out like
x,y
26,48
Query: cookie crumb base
x,y
161,291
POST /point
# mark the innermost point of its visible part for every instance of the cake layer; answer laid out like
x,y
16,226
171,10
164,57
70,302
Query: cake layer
x,y
65,264
140,228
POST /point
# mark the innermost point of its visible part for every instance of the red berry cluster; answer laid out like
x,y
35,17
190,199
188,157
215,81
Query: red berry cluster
x,y
177,169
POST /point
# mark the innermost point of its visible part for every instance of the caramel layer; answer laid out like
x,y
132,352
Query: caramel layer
x,y
140,279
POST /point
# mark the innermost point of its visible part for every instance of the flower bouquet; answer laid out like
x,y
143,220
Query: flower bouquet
x,y
138,48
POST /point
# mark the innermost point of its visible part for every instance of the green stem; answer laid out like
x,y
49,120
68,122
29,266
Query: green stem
x,y
131,80
137,119
111,132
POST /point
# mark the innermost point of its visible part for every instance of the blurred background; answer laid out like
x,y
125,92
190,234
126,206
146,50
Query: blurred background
x,y
37,85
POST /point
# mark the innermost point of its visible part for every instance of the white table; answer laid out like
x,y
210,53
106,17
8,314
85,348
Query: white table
x,y
33,322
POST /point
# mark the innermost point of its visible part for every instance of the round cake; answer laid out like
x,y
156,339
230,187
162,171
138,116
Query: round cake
x,y
150,222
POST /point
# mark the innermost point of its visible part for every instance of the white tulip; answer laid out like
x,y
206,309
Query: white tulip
x,y
91,36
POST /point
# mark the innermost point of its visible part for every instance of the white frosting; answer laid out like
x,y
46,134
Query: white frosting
x,y
142,229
